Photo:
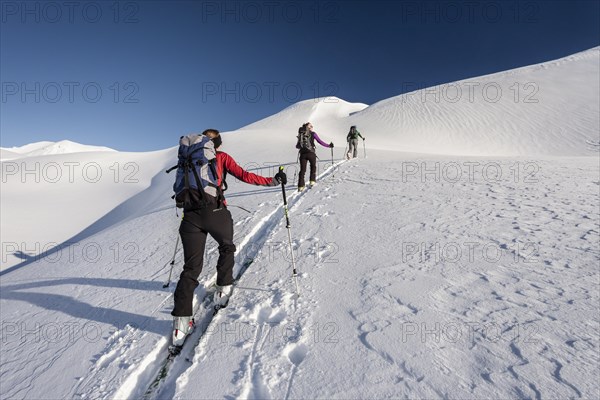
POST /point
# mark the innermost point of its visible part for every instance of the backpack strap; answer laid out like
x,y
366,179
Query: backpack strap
x,y
213,170
224,185
191,165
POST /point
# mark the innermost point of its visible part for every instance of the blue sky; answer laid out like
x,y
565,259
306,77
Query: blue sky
x,y
134,76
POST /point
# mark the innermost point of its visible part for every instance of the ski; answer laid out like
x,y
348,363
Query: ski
x,y
174,351
203,322
243,269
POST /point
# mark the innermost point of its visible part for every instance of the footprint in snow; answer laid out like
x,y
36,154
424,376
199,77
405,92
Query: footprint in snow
x,y
270,315
296,353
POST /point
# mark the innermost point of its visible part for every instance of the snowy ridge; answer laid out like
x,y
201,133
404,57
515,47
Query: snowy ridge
x,y
7,154
547,109
324,109
85,192
28,147
49,148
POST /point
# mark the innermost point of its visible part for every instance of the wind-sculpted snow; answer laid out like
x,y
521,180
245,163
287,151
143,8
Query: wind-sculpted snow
x,y
322,110
49,202
419,288
548,109
49,148
413,284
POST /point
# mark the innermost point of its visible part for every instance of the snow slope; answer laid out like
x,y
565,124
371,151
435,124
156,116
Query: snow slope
x,y
421,275
329,112
47,200
547,109
49,148
375,318
29,147
7,154
557,114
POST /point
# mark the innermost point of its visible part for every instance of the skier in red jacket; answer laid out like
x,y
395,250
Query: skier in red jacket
x,y
216,221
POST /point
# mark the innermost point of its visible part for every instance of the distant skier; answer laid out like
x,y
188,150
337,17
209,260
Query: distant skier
x,y
352,140
306,145
215,220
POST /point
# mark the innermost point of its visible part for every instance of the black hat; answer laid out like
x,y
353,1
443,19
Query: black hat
x,y
217,141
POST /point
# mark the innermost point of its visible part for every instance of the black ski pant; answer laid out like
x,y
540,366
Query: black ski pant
x,y
304,158
352,147
193,230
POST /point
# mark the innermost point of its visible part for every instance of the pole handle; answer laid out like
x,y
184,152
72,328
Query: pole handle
x,y
283,188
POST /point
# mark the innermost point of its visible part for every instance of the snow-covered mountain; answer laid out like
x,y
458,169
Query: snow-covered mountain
x,y
52,199
7,154
547,109
438,267
49,148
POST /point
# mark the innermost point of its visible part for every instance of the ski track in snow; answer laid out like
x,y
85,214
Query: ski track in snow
x,y
511,313
525,321
248,248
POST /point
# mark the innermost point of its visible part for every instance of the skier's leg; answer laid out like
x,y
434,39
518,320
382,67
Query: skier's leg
x,y
221,229
312,157
303,161
355,146
193,240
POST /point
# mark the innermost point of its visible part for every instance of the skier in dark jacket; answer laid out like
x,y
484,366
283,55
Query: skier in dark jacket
x,y
217,222
306,145
352,140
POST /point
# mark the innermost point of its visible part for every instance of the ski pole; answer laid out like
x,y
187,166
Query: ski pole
x,y
172,263
297,166
287,220
364,149
241,208
332,156
333,172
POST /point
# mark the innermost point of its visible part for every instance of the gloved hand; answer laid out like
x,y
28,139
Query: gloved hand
x,y
279,178
364,139
331,145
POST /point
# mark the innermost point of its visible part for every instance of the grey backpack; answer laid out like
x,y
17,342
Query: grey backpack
x,y
305,139
196,173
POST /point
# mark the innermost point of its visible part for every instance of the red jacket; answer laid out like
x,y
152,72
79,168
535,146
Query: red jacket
x,y
226,163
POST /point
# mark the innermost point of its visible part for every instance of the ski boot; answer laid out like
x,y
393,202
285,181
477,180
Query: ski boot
x,y
182,327
221,298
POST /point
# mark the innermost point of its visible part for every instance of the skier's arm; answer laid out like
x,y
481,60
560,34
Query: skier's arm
x,y
318,139
234,169
360,135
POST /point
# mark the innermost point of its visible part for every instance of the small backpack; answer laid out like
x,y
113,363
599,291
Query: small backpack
x,y
305,139
196,173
